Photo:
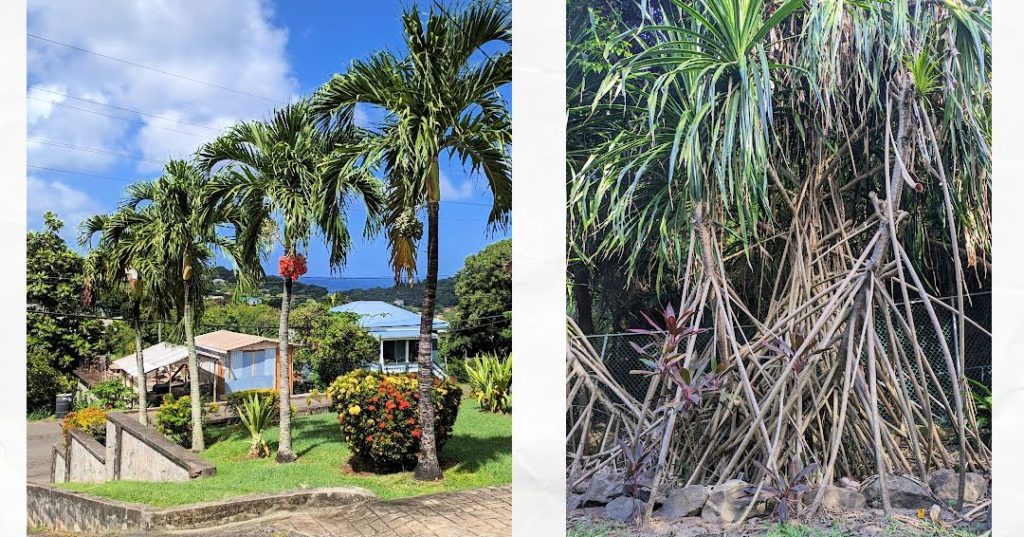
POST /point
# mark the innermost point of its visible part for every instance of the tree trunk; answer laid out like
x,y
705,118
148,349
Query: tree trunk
x,y
198,443
427,467
284,448
584,299
140,367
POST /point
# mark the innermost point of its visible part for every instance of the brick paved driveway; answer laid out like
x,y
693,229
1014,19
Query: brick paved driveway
x,y
483,512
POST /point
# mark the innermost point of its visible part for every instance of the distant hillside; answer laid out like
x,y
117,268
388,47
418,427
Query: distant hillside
x,y
412,296
270,289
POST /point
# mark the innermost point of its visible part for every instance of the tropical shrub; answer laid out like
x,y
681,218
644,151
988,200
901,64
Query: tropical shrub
x,y
379,420
174,419
235,399
113,394
490,379
257,413
91,420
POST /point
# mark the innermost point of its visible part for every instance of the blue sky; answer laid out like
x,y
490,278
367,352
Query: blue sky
x,y
111,122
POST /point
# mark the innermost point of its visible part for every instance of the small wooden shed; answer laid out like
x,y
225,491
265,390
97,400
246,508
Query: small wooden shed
x,y
245,361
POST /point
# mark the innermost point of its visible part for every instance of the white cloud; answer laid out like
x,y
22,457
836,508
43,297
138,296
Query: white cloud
x,y
70,204
229,44
452,192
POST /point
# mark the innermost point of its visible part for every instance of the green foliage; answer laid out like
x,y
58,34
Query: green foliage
x,y
240,317
257,413
237,399
56,345
490,379
379,420
92,420
332,344
174,419
410,295
481,318
113,394
982,396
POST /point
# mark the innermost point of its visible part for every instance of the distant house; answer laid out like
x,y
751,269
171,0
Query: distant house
x,y
252,300
228,362
397,330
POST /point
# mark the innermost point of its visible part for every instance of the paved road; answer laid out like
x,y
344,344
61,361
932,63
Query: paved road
x,y
476,513
41,437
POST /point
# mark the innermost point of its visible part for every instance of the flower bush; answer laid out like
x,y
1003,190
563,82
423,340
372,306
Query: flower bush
x,y
113,394
92,420
379,419
174,419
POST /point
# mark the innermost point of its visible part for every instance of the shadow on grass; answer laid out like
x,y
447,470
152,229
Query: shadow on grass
x,y
472,453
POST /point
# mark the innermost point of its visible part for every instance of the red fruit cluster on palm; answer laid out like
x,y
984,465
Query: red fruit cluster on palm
x,y
291,266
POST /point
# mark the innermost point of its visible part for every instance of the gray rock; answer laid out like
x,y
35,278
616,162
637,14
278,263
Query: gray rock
x,y
573,502
684,501
905,492
603,487
944,484
841,498
623,509
727,502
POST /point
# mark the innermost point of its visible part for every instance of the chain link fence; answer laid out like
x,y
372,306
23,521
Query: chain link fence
x,y
620,357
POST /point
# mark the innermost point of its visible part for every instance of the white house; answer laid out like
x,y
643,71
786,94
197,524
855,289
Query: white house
x,y
397,330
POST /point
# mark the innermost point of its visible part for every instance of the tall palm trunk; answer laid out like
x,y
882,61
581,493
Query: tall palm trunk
x,y
284,449
198,442
427,467
140,366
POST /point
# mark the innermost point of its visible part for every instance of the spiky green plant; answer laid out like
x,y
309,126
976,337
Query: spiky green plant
x,y
256,413
490,379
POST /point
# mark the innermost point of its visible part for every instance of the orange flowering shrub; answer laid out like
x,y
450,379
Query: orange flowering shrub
x,y
92,420
378,415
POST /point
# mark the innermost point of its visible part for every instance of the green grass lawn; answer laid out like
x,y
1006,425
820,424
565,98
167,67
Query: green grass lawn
x,y
479,454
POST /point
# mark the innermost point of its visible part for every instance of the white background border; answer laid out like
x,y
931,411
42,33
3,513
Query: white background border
x,y
12,270
538,267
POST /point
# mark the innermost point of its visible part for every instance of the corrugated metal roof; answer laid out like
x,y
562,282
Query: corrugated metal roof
x,y
376,316
157,356
223,341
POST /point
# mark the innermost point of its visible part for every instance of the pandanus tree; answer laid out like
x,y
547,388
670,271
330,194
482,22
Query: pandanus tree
x,y
800,172
125,259
440,98
274,169
185,237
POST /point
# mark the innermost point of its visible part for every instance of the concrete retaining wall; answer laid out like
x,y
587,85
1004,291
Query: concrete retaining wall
x,y
63,510
59,463
86,458
138,453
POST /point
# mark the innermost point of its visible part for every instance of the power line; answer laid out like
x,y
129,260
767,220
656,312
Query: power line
x,y
79,173
129,120
93,150
154,69
37,88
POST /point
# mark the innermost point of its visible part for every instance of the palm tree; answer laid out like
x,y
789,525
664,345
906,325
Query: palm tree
x,y
441,98
126,259
274,169
186,244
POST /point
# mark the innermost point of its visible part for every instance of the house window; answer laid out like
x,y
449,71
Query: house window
x,y
246,363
